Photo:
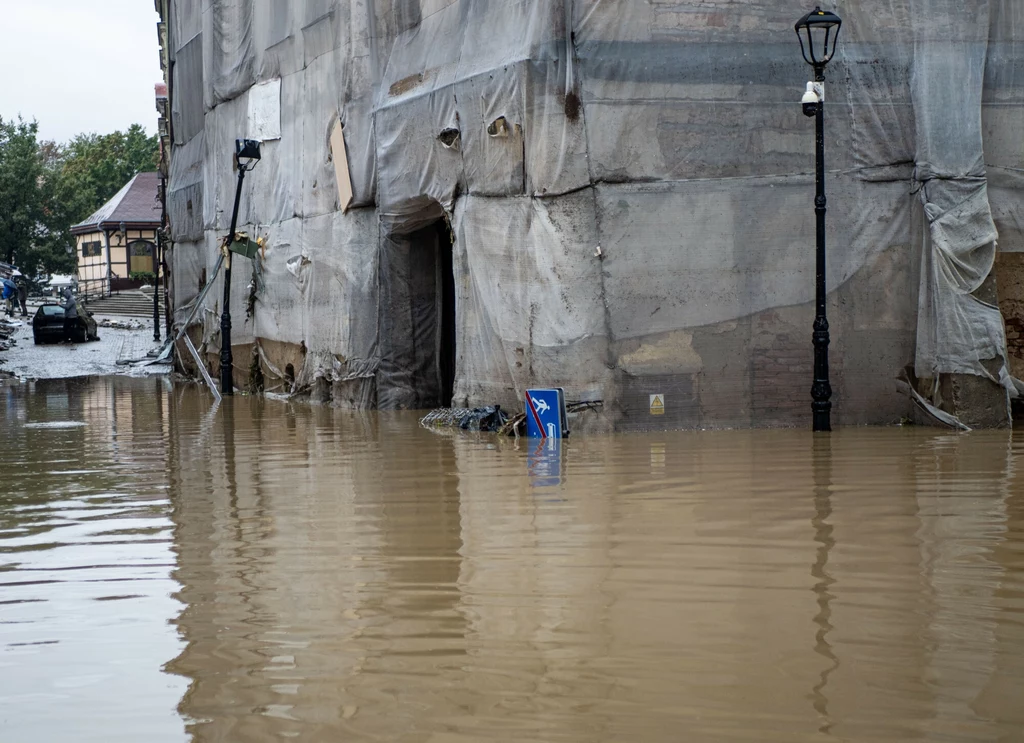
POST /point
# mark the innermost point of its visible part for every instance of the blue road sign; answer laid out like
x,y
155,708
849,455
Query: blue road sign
x,y
545,414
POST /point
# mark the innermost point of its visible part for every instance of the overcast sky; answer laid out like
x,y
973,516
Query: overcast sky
x,y
79,65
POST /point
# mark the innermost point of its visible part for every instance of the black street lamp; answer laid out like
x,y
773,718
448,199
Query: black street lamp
x,y
247,154
156,286
159,259
818,32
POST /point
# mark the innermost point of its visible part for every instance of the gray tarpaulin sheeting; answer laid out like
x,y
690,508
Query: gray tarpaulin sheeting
x,y
629,188
956,330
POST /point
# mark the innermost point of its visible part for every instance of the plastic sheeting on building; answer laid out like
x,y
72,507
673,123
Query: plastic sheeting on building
x,y
626,189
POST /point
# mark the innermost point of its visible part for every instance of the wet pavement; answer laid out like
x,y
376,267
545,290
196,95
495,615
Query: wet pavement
x,y
265,571
95,358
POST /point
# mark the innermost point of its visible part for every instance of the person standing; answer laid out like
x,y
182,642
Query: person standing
x,y
70,306
23,297
10,291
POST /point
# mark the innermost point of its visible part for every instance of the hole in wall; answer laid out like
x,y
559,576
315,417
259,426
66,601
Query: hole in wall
x,y
450,138
498,127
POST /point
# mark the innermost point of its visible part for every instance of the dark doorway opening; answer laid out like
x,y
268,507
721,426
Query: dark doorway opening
x,y
446,307
417,320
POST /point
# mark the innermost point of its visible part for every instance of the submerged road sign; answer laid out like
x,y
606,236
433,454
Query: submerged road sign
x,y
545,414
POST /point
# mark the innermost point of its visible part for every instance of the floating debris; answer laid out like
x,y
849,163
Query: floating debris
x,y
493,419
444,417
489,419
514,426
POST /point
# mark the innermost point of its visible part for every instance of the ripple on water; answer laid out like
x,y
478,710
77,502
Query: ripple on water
x,y
55,424
272,571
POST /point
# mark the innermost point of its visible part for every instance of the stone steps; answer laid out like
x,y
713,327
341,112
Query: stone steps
x,y
127,304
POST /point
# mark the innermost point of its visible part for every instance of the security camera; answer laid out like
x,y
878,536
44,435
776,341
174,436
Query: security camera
x,y
811,100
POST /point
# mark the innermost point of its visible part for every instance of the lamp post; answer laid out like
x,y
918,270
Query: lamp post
x,y
247,154
159,259
818,32
156,288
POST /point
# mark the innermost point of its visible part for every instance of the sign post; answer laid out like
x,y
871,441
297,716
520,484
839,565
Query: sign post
x,y
545,414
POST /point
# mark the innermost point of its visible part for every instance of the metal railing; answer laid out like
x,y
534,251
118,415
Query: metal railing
x,y
91,289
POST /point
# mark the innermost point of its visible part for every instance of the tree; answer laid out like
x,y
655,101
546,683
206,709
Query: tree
x,y
21,178
45,188
99,165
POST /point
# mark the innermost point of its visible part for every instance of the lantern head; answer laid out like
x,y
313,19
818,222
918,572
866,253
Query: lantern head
x,y
818,32
247,153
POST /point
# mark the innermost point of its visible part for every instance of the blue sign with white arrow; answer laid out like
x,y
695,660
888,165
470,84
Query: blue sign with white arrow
x,y
545,414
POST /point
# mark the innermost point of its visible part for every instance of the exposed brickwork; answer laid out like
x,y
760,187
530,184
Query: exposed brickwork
x,y
781,380
1010,276
1015,337
782,371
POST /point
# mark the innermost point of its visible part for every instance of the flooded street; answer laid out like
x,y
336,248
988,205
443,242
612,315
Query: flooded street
x,y
275,571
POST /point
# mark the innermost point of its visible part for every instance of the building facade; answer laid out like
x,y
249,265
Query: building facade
x,y
466,198
117,245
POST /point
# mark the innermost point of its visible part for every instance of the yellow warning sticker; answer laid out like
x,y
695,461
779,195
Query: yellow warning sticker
x,y
657,405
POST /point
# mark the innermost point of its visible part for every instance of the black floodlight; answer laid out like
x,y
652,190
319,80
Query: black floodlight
x,y
247,152
820,30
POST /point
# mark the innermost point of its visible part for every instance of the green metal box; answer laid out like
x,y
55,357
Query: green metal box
x,y
246,247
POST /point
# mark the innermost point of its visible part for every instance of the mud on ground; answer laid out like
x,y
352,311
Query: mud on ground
x,y
96,358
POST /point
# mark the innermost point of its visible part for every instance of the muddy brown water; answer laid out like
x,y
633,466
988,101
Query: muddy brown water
x,y
274,571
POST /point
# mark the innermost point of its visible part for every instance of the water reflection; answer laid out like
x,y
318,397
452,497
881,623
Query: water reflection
x,y
85,561
544,462
353,576
963,517
822,463
660,586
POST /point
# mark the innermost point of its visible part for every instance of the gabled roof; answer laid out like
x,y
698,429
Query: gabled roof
x,y
137,205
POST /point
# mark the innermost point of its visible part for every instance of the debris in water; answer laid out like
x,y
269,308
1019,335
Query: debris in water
x,y
489,419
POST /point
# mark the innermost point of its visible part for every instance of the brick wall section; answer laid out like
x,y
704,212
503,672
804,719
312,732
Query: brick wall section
x,y
1010,277
781,378
781,373
1015,337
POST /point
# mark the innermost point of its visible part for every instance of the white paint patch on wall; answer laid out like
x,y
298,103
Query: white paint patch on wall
x,y
265,110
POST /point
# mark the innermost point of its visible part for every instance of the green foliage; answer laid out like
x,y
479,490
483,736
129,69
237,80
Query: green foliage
x,y
142,276
21,202
45,188
97,166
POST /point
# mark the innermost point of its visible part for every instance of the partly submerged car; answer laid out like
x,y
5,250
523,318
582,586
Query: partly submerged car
x,y
48,325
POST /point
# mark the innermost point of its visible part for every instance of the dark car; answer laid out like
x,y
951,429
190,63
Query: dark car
x,y
48,325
